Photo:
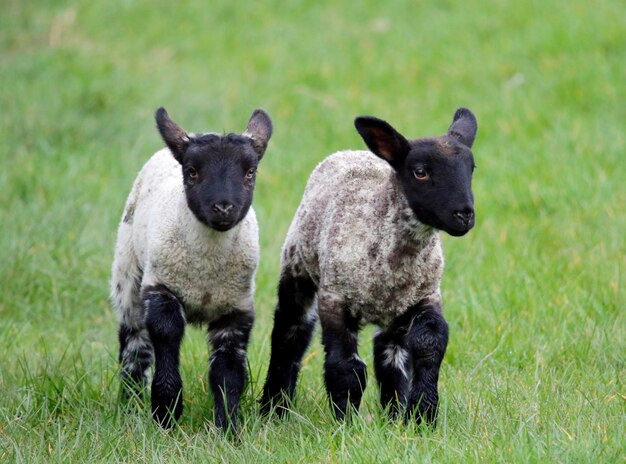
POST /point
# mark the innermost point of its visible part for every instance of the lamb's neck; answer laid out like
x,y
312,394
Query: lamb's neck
x,y
411,229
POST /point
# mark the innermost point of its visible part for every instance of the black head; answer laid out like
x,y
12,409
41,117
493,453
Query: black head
x,y
435,173
219,171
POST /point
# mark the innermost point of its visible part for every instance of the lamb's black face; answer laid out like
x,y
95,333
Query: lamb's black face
x,y
437,181
435,173
219,171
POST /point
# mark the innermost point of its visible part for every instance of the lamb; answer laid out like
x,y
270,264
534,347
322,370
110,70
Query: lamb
x,y
187,251
364,247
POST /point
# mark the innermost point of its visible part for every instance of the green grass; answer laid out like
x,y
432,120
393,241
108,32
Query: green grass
x,y
534,295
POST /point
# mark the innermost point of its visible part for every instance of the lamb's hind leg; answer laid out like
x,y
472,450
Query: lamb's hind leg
x,y
136,358
391,364
294,321
136,354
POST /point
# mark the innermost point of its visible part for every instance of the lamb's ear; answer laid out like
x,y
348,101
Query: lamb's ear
x,y
464,127
174,137
259,130
382,139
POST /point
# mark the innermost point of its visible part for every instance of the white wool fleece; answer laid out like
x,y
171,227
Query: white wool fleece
x,y
355,235
160,241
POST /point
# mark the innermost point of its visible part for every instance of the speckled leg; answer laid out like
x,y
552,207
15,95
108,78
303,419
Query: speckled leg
x,y
345,373
136,357
166,326
427,339
294,321
136,354
391,365
229,336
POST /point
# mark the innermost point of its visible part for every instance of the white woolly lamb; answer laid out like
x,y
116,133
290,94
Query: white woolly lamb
x,y
187,251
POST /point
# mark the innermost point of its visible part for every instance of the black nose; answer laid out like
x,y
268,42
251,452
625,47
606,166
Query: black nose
x,y
465,215
222,208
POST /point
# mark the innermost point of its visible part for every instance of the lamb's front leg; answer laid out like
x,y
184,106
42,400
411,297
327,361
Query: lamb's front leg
x,y
345,373
229,336
427,340
293,327
165,322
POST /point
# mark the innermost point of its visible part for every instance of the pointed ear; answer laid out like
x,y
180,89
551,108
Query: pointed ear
x,y
259,130
464,127
382,139
174,137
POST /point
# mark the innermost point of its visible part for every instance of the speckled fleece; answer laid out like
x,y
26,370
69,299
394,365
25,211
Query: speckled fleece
x,y
356,237
160,241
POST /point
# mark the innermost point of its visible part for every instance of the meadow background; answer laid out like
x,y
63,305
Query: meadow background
x,y
536,366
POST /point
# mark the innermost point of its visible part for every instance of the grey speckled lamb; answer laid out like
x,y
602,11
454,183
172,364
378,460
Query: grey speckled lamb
x,y
187,251
364,245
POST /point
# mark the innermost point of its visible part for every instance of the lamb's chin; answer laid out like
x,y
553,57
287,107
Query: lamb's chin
x,y
222,226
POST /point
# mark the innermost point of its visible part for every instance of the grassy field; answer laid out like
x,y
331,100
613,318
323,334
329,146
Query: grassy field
x,y
534,295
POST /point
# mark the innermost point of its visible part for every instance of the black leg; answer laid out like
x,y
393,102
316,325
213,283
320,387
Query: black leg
x,y
427,340
166,326
345,374
391,364
294,322
229,337
136,357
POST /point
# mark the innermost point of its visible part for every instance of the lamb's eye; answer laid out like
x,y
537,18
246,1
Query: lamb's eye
x,y
193,174
420,174
250,173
